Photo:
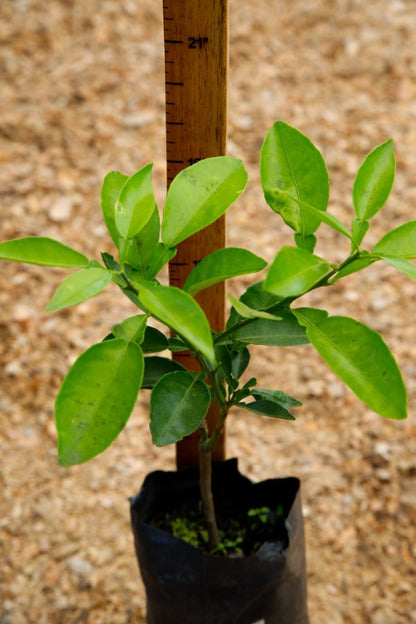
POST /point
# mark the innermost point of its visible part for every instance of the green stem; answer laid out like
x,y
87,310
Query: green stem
x,y
209,441
205,484
353,256
232,329
213,439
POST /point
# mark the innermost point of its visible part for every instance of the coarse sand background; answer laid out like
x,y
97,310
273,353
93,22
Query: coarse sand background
x,y
82,93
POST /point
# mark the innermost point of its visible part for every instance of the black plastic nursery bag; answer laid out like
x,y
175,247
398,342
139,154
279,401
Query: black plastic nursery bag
x,y
185,585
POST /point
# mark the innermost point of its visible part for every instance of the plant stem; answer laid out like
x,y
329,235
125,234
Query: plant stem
x,y
205,484
219,337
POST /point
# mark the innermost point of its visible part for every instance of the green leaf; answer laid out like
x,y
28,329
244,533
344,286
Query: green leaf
x,y
361,358
110,262
110,191
245,391
239,361
178,405
96,399
79,287
306,242
267,408
133,298
306,316
176,344
293,173
294,271
359,230
256,297
277,396
374,181
135,204
404,266
355,265
221,265
400,242
245,312
141,249
132,329
224,365
324,217
42,251
199,195
154,341
161,256
281,333
156,367
181,313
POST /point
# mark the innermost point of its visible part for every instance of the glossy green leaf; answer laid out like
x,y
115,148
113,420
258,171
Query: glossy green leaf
x,y
199,195
400,242
110,262
282,333
133,298
224,365
79,287
294,271
239,361
181,313
96,399
221,265
264,407
156,367
374,181
359,230
324,217
110,191
132,329
277,396
361,358
293,173
404,266
42,251
154,341
245,311
306,316
176,344
306,242
178,405
254,297
161,256
135,204
141,249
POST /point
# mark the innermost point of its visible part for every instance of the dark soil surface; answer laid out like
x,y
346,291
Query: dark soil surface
x,y
82,93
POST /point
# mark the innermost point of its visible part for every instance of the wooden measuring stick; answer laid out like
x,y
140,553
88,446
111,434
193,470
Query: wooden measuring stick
x,y
196,58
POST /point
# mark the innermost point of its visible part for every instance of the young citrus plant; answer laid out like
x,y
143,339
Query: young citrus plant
x,y
99,392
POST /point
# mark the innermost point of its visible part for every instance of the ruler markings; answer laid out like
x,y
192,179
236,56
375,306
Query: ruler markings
x,y
195,34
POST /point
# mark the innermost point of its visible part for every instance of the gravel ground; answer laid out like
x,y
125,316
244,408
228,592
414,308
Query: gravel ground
x,y
82,93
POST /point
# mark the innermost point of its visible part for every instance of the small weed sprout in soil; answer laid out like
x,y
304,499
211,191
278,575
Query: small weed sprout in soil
x,y
239,535
99,392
